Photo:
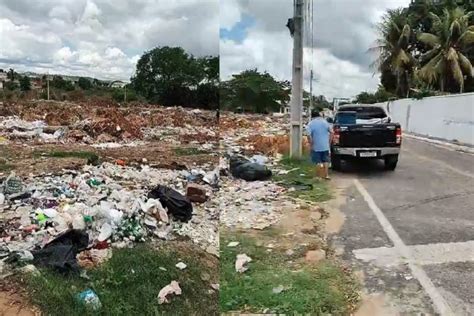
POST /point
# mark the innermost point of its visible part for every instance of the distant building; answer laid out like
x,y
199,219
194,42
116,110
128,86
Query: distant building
x,y
36,83
117,84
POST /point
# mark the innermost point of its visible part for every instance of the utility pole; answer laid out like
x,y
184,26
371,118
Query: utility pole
x,y
310,110
47,83
125,94
296,147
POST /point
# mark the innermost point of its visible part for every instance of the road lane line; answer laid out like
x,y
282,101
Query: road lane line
x,y
417,271
441,163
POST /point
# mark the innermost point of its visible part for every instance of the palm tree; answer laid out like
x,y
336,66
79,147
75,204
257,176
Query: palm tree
x,y
394,49
451,36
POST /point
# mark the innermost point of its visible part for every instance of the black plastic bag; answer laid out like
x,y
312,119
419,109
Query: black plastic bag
x,y
60,253
177,204
242,168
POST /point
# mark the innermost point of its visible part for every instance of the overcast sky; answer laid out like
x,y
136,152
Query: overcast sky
x,y
101,38
253,35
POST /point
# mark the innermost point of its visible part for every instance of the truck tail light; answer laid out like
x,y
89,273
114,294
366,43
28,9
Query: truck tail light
x,y
398,134
336,136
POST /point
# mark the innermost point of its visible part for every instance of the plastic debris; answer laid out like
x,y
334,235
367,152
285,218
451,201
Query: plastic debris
x,y
105,232
241,263
278,289
90,299
243,168
181,265
233,244
60,254
176,203
172,288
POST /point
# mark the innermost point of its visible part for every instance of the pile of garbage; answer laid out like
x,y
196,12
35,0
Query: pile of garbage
x,y
67,122
249,200
103,207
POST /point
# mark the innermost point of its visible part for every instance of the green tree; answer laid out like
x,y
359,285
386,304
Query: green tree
x,y
445,62
395,59
381,95
171,76
10,85
254,91
11,74
84,83
25,83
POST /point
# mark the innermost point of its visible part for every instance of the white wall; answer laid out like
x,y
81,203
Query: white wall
x,y
444,117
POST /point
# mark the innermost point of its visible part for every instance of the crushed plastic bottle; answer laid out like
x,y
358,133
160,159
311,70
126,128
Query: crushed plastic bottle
x,y
90,299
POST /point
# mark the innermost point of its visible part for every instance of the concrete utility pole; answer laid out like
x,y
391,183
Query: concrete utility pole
x,y
310,110
296,147
47,83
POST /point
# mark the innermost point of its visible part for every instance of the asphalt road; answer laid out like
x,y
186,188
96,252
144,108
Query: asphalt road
x,y
411,231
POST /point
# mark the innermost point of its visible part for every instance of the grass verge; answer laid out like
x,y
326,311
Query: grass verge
x,y
301,180
325,288
6,167
91,157
128,284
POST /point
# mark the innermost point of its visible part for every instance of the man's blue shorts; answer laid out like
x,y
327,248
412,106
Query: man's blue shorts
x,y
320,156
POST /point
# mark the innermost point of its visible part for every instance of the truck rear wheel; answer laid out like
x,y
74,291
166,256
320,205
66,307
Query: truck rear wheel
x,y
391,162
335,162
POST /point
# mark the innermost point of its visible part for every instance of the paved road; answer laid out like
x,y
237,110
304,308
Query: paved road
x,y
411,231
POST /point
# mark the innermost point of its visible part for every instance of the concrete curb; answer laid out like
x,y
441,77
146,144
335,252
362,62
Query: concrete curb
x,y
443,144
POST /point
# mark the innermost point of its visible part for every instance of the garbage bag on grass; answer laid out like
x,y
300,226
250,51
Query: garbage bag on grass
x,y
60,253
177,204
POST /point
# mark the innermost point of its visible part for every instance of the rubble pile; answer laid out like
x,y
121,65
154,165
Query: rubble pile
x,y
111,203
68,122
251,204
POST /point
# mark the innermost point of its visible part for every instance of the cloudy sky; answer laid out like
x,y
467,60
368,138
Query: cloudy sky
x,y
101,38
253,35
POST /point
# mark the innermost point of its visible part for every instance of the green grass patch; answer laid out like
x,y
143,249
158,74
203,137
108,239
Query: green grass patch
x,y
302,179
6,167
322,289
189,151
128,284
91,157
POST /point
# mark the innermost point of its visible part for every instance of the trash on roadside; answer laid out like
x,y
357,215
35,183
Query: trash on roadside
x,y
172,288
181,265
90,299
176,204
241,263
60,254
196,193
261,160
242,168
94,257
278,289
12,185
233,244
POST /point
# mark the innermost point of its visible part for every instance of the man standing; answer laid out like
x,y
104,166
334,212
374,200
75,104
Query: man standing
x,y
319,132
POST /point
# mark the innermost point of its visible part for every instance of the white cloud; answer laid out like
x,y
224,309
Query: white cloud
x,y
229,13
101,38
344,30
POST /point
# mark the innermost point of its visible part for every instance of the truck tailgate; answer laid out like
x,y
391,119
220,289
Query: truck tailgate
x,y
368,135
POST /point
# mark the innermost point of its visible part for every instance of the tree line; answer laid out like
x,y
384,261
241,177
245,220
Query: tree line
x,y
426,47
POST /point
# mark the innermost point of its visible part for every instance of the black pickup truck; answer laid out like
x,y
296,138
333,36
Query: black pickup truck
x,y
365,132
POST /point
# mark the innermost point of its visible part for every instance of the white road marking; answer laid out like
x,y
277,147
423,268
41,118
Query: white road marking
x,y
417,271
438,253
442,164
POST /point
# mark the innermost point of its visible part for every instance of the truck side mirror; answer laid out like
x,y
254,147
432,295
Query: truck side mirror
x,y
329,120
